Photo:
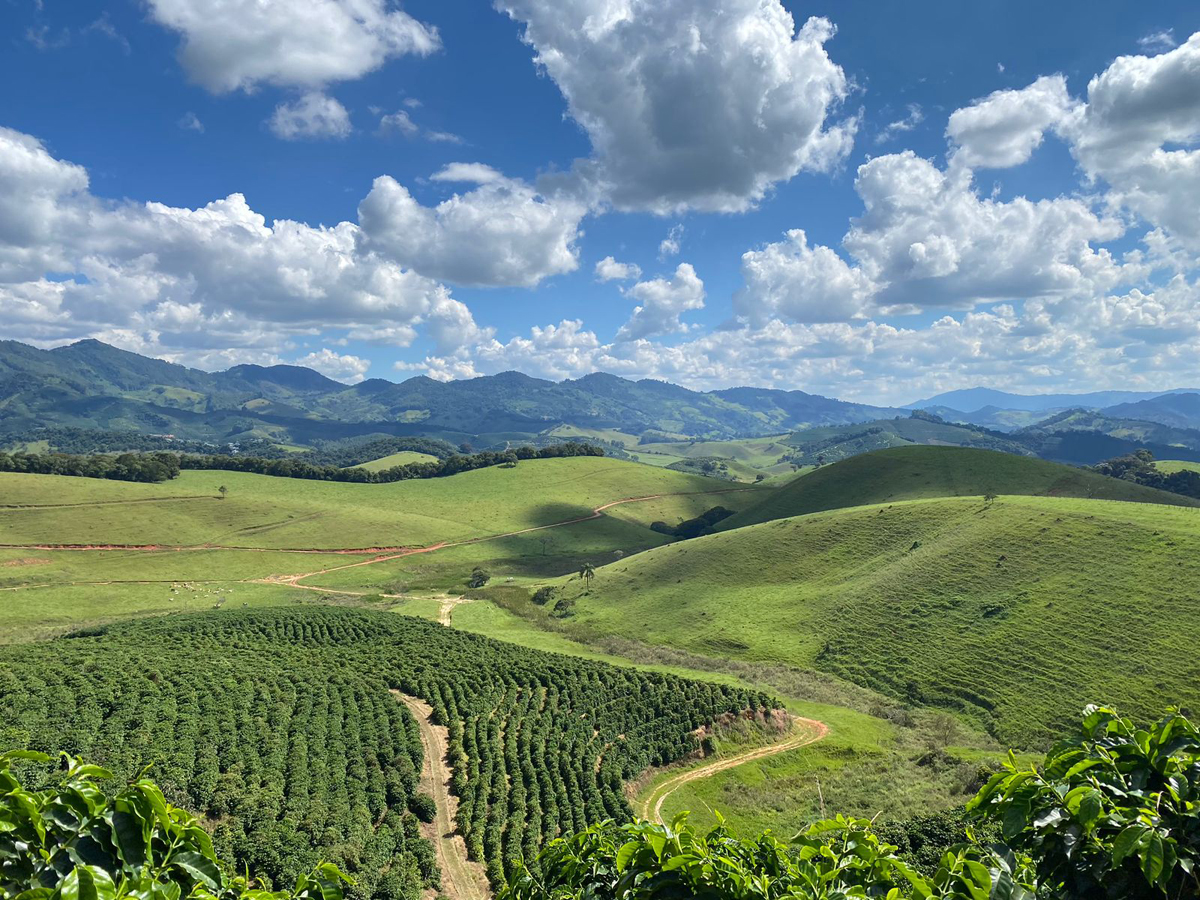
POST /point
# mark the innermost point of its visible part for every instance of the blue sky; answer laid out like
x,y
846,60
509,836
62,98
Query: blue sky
x,y
1031,167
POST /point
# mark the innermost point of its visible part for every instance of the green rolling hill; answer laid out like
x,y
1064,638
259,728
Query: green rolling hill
x,y
914,473
1016,612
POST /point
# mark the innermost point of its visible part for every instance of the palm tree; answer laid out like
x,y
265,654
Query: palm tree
x,y
587,572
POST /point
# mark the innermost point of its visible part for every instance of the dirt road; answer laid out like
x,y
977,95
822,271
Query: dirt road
x,y
804,732
461,878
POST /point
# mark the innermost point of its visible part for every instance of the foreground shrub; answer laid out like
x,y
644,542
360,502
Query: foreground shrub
x,y
75,842
1114,812
838,858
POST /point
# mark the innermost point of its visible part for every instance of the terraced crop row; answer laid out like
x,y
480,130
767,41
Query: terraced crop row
x,y
279,727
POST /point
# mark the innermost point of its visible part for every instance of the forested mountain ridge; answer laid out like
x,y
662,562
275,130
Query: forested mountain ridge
x,y
91,384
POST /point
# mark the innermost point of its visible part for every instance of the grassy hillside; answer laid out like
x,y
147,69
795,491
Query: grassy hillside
x,y
914,473
1018,612
403,458
48,591
261,511
832,443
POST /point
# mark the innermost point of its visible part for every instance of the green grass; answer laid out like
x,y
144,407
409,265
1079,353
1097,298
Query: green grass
x,y
1171,466
37,613
1016,613
403,458
261,511
914,473
56,589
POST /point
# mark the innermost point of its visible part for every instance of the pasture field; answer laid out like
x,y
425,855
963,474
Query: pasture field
x,y
403,458
1171,466
283,513
920,472
47,591
745,457
1016,613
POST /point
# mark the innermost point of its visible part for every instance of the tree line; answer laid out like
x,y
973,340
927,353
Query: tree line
x,y
1139,467
452,465
144,467
163,466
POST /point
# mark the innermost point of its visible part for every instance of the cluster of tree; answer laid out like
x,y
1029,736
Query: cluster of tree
x,y
75,840
690,528
147,467
344,454
711,466
1139,468
1114,812
278,726
297,468
68,439
161,466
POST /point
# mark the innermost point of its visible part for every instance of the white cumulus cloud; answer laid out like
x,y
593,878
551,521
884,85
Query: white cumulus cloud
x,y
608,269
212,285
1005,128
239,44
661,303
701,104
312,115
338,366
501,232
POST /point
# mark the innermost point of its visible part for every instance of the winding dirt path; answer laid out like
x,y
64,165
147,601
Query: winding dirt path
x,y
461,878
804,732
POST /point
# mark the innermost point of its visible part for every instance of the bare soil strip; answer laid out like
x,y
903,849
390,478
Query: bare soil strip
x,y
804,732
461,878
446,608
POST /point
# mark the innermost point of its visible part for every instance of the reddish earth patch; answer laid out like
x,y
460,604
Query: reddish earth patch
x,y
24,561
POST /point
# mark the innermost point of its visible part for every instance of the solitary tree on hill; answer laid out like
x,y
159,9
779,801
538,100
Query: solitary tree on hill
x,y
222,490
587,572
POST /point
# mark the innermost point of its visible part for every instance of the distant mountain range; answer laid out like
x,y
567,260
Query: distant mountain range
x,y
96,387
972,400
93,385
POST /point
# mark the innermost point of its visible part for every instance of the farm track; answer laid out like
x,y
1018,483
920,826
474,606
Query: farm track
x,y
805,732
16,507
461,878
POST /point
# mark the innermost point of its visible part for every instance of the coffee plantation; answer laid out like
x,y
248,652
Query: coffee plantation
x,y
281,730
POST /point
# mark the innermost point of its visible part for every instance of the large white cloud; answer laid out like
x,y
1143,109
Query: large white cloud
x,y
1136,133
927,239
801,283
1139,132
1005,128
232,44
661,303
501,232
700,104
214,283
